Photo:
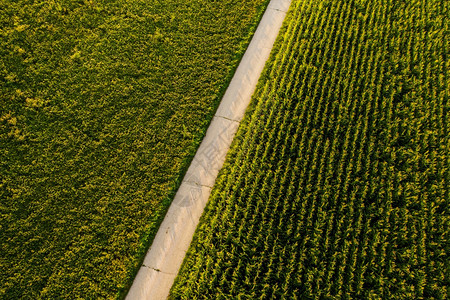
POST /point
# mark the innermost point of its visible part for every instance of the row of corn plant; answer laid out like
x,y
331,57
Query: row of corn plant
x,y
336,185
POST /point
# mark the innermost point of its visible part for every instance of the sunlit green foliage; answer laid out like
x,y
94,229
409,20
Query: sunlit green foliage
x,y
337,185
102,105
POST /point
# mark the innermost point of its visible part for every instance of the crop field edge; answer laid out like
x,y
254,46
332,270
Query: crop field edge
x,y
147,240
247,116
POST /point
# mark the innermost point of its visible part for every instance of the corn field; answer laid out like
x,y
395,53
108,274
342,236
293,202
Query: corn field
x,y
337,183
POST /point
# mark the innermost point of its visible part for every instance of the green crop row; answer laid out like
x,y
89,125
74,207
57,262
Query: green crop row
x,y
337,183
102,106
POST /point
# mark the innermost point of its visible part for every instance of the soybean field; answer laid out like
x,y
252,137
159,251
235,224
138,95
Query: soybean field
x,y
103,104
337,183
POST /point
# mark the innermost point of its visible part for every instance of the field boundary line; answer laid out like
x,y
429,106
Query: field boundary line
x,y
165,256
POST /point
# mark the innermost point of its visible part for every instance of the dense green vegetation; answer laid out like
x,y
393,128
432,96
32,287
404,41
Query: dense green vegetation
x,y
103,104
337,185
